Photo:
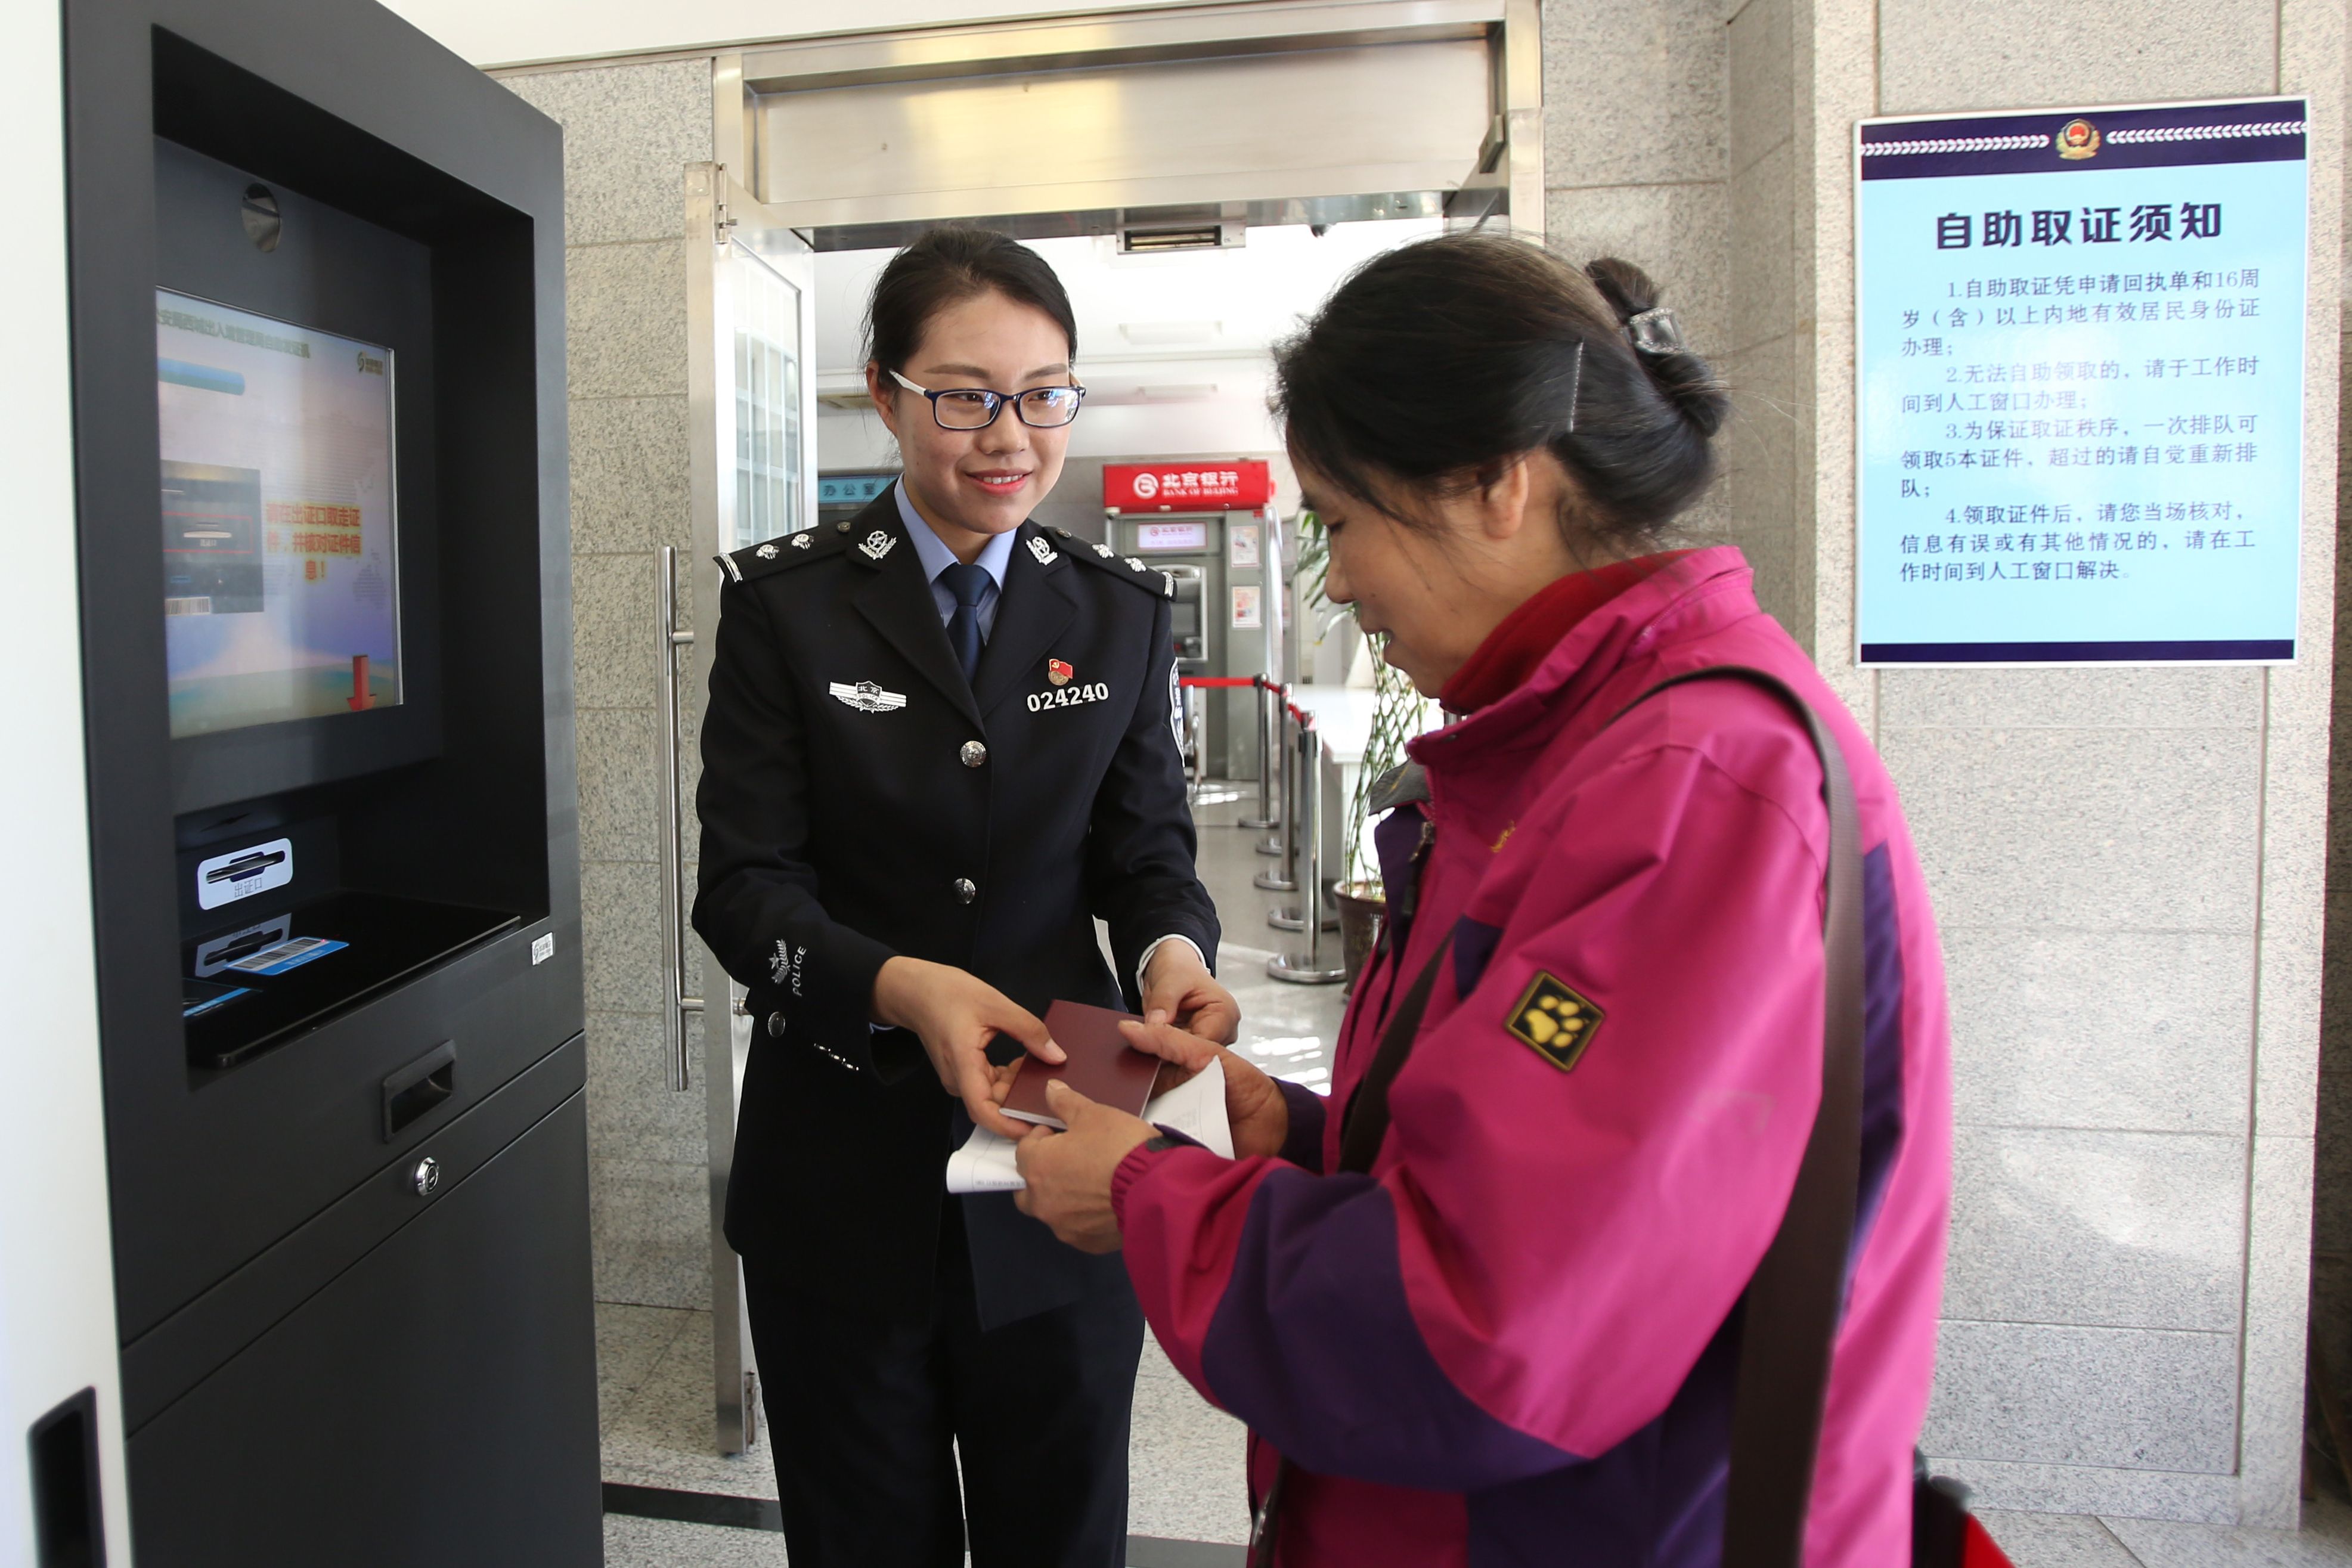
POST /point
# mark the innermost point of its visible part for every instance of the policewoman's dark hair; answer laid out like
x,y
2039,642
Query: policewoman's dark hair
x,y
1434,365
945,266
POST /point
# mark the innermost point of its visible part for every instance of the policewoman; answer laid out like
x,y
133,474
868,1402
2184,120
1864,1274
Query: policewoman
x,y
1485,1305
940,743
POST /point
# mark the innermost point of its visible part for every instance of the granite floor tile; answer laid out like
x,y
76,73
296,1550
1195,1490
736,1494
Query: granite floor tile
x,y
2056,1540
665,1543
2324,1542
630,1341
649,1223
665,1435
1185,1479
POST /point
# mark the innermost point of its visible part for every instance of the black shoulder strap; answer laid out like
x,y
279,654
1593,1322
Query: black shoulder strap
x,y
1797,1295
1794,1300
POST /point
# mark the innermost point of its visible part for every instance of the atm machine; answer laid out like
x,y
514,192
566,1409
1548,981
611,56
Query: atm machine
x,y
319,393
1206,523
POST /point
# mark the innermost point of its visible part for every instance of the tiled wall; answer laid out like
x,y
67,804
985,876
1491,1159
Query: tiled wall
x,y
2126,864
629,131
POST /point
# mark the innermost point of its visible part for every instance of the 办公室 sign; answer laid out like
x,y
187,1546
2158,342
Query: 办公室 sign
x,y
2079,348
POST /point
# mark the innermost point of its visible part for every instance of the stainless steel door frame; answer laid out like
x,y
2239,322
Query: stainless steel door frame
x,y
751,419
1492,161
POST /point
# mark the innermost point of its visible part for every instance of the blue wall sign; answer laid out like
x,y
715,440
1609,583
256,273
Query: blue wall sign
x,y
2079,345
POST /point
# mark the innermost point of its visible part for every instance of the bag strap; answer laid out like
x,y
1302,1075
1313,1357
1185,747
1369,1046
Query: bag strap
x,y
1794,1300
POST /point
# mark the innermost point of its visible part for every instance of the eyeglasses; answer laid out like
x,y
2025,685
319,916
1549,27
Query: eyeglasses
x,y
975,408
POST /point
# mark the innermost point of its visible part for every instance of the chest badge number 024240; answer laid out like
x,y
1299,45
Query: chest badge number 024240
x,y
1554,1019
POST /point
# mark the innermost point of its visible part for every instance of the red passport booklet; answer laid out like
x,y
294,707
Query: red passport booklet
x,y
1103,1067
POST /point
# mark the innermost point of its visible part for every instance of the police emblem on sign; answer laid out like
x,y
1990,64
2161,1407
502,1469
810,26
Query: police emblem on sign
x,y
2080,138
1552,1017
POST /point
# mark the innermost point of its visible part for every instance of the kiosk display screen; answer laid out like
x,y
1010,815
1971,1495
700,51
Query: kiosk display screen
x,y
280,584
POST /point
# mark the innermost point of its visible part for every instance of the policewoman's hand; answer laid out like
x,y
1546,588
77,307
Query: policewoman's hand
x,y
1255,1108
957,1015
1069,1172
1179,989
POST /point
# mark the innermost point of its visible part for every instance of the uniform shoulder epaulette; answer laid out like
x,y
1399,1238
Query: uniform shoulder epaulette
x,y
775,554
1126,568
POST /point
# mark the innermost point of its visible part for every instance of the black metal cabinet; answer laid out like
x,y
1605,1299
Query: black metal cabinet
x,y
435,1406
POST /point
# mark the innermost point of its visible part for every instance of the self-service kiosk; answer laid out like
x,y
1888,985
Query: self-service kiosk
x,y
318,341
1206,523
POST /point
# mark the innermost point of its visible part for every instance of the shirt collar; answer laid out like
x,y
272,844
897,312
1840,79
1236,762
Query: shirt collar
x,y
936,557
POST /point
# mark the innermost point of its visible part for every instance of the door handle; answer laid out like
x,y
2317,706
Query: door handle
x,y
417,1088
677,1006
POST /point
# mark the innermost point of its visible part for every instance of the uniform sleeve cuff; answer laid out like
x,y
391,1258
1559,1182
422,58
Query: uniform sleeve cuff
x,y
1303,1145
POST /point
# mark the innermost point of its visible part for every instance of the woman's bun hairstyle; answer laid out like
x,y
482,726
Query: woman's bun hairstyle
x,y
1436,365
947,265
1687,380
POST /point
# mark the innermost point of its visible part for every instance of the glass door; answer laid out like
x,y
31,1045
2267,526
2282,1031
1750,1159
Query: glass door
x,y
751,302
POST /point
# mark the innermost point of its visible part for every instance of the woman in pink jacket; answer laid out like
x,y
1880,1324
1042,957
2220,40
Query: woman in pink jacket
x,y
1513,1339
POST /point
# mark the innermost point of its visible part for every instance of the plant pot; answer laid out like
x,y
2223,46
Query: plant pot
x,y
1362,907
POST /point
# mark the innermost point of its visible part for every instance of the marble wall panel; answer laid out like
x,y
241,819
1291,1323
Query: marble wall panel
x,y
2118,1229
1634,93
628,133
2133,1399
2100,830
1936,55
2148,1031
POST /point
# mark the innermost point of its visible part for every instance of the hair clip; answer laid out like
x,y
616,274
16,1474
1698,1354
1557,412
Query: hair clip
x,y
1656,332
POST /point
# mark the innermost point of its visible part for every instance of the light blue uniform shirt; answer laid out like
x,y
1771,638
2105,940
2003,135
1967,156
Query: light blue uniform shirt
x,y
937,558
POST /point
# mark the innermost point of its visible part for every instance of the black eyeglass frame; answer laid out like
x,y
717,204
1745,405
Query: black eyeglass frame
x,y
997,403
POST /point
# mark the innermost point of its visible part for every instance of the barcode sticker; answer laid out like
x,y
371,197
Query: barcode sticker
x,y
542,948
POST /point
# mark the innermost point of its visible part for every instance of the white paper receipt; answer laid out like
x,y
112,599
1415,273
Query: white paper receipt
x,y
1195,1108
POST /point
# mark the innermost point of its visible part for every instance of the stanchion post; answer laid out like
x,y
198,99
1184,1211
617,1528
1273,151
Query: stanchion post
x,y
1266,743
1285,841
1308,968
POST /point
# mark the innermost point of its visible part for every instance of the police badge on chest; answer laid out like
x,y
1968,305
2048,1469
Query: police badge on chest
x,y
1061,693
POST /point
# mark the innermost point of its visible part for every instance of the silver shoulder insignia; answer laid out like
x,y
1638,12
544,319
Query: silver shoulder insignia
x,y
1167,585
1103,551
767,552
1043,551
801,540
877,544
1133,564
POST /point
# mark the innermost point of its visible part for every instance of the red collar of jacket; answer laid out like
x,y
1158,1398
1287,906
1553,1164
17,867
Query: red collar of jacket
x,y
1591,652
1513,649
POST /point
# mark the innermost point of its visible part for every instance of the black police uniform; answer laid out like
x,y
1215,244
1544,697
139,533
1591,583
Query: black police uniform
x,y
860,798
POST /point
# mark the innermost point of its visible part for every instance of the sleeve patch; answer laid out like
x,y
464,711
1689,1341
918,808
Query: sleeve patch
x,y
1554,1020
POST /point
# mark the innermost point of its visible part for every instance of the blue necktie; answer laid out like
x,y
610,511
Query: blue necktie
x,y
967,583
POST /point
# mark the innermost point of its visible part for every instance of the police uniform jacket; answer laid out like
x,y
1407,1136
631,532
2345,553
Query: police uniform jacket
x,y
859,799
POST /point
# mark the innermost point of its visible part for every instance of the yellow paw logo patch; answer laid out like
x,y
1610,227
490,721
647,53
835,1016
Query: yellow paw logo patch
x,y
1554,1020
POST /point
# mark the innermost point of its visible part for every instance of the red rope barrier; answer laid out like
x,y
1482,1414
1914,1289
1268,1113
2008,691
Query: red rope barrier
x,y
1217,680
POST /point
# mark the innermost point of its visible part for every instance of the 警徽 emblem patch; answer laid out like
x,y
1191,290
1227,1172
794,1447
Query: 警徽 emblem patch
x,y
1553,1019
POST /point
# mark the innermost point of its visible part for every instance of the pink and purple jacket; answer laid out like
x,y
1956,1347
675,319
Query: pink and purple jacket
x,y
1513,1342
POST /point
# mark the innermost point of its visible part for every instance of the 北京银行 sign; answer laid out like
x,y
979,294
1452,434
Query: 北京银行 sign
x,y
2080,342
